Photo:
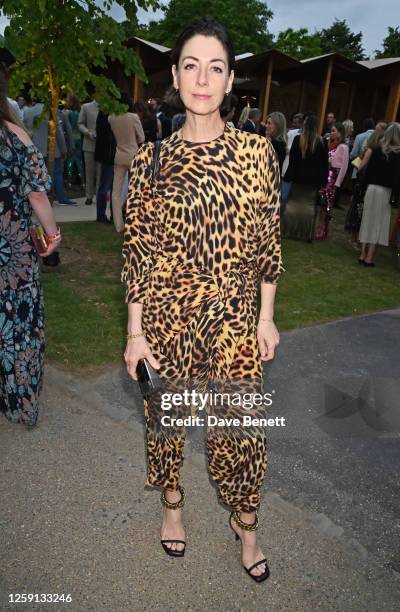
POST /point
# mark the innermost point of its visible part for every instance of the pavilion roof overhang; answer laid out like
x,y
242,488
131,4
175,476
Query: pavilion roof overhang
x,y
256,65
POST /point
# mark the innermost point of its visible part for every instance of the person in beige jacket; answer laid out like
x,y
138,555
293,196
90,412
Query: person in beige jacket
x,y
87,127
128,132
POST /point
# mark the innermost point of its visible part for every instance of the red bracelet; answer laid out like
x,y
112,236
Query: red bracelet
x,y
53,237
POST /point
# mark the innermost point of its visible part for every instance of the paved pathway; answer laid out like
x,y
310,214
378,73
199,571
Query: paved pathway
x,y
75,213
76,517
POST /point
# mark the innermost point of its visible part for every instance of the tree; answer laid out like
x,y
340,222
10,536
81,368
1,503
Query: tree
x,y
246,21
63,46
340,39
298,43
391,44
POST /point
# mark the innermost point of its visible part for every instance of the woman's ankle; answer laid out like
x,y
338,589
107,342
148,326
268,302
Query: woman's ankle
x,y
247,517
173,498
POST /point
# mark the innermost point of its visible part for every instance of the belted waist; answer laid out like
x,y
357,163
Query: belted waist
x,y
163,263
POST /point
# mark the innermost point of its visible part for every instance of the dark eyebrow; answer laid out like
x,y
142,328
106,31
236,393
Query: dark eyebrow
x,y
217,59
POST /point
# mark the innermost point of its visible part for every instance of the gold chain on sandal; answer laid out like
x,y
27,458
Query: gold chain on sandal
x,y
242,524
174,505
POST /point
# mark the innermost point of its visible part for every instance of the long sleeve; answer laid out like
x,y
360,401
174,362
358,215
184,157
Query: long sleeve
x,y
356,150
294,158
269,261
341,162
139,242
82,121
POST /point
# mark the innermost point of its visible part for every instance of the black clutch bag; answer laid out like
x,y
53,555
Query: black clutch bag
x,y
148,379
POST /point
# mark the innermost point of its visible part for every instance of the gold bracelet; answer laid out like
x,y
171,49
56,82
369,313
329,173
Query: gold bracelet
x,y
131,336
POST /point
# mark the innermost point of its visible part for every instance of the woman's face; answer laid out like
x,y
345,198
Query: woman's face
x,y
334,134
202,75
271,128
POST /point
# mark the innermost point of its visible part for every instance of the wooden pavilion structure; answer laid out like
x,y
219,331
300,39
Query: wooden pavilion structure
x,y
274,81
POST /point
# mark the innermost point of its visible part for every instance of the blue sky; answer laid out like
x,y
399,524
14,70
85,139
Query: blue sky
x,y
372,17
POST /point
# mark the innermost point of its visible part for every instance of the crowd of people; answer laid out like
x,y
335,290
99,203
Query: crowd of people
x,y
98,150
315,169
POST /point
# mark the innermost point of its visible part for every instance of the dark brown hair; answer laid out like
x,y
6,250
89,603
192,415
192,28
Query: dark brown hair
x,y
205,27
73,102
340,128
6,113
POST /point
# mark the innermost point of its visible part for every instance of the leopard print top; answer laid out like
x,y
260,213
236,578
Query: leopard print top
x,y
214,208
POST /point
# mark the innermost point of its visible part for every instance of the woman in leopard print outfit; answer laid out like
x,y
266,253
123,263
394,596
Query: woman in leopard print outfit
x,y
199,238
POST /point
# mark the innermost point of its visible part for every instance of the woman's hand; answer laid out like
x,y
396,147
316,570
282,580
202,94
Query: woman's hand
x,y
268,339
138,348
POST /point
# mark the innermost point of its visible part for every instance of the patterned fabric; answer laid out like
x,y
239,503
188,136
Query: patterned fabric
x,y
197,243
22,170
328,194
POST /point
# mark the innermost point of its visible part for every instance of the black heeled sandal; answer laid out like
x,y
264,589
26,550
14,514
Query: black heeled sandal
x,y
235,516
174,506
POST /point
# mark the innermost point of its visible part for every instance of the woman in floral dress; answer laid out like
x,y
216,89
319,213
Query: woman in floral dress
x,y
23,183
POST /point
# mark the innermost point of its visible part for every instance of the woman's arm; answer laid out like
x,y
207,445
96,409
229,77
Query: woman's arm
x,y
294,156
343,163
267,333
44,212
365,159
38,199
138,252
269,262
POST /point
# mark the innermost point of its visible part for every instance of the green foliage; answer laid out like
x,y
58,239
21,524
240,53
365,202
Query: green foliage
x,y
62,46
391,44
246,21
340,39
299,44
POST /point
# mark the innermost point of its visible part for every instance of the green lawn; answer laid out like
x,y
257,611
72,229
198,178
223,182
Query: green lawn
x,y
86,313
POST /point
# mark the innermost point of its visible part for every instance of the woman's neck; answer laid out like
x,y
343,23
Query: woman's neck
x,y
201,128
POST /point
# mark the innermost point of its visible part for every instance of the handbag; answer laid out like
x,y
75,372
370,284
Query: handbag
x,y
39,238
156,161
356,162
41,243
148,379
